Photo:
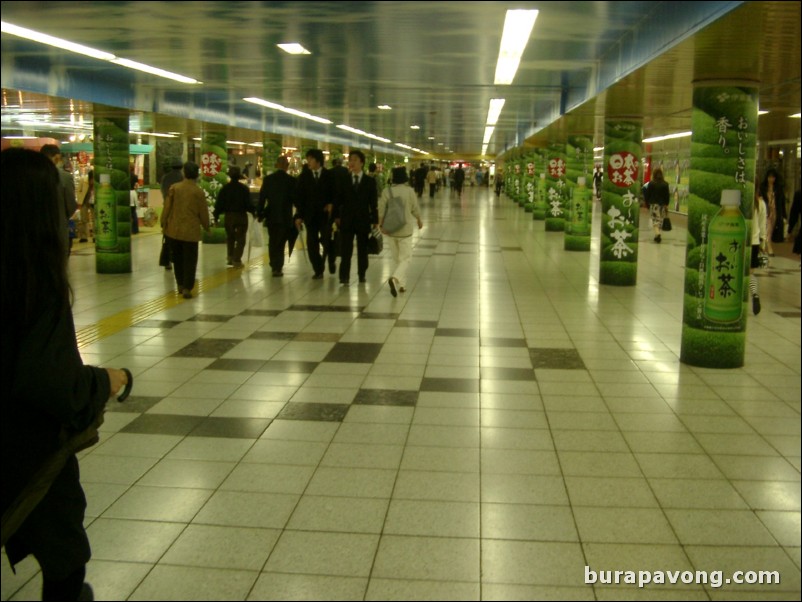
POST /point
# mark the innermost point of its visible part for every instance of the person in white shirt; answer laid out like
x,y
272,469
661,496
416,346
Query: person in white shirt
x,y
400,241
759,236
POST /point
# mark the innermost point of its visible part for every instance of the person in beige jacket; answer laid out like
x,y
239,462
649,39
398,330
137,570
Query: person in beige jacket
x,y
400,241
185,213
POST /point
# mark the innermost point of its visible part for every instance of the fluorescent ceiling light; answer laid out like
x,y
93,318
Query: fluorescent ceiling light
x,y
43,38
794,116
155,71
431,137
156,134
256,144
493,113
385,107
762,112
518,26
414,127
668,137
237,142
293,48
278,107
348,128
488,134
21,137
484,149
50,124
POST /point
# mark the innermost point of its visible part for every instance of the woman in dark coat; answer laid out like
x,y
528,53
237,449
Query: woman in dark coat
x,y
48,389
657,195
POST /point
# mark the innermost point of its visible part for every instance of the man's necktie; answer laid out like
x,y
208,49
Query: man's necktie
x,y
356,182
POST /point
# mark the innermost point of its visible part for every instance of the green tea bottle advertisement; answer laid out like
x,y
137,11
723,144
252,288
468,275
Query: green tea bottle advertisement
x,y
721,196
271,151
618,263
516,182
213,176
112,180
577,226
541,199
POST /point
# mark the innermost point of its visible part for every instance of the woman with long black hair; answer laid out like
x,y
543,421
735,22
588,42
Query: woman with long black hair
x,y
48,391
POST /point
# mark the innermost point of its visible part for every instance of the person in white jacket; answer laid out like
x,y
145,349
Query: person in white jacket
x,y
759,232
400,241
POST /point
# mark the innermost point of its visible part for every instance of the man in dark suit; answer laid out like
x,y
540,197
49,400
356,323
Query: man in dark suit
x,y
278,190
315,202
358,211
342,182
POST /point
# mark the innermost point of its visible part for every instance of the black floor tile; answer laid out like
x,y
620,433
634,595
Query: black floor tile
x,y
502,342
359,353
556,359
450,385
268,313
789,314
165,324
511,249
385,397
207,348
236,365
289,367
318,337
322,412
134,404
327,308
457,332
234,428
210,318
491,373
377,316
416,324
162,424
273,336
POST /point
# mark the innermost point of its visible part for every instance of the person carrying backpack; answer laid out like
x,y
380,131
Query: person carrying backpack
x,y
398,205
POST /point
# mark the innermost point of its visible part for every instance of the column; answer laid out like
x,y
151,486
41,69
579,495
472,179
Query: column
x,y
579,163
722,176
530,182
271,151
555,188
112,191
213,175
618,263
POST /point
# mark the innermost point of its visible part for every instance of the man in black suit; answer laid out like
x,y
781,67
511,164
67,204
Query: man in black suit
x,y
315,201
342,182
358,211
278,192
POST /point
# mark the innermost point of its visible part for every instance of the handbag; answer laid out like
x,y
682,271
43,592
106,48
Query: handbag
x,y
666,224
375,242
164,256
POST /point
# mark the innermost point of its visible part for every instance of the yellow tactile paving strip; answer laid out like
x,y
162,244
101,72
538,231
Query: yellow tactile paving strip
x,y
133,315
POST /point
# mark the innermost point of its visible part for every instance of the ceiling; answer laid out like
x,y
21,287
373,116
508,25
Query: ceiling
x,y
433,62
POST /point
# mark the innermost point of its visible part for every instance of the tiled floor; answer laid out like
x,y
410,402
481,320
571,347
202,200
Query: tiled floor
x,y
487,435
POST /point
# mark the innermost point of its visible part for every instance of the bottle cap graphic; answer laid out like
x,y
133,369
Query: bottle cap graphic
x,y
580,181
730,198
105,178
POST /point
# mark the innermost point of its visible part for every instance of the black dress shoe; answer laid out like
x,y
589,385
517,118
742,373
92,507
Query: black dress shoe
x,y
362,279
318,276
278,274
393,292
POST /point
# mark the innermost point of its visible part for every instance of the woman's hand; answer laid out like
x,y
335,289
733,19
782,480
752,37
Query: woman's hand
x,y
117,380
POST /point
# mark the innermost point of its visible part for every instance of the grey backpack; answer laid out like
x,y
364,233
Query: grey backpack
x,y
395,217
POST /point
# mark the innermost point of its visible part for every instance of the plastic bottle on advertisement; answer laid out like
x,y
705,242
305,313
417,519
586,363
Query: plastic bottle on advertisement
x,y
106,220
724,279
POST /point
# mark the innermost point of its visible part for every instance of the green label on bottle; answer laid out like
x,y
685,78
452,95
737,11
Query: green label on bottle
x,y
724,278
106,220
